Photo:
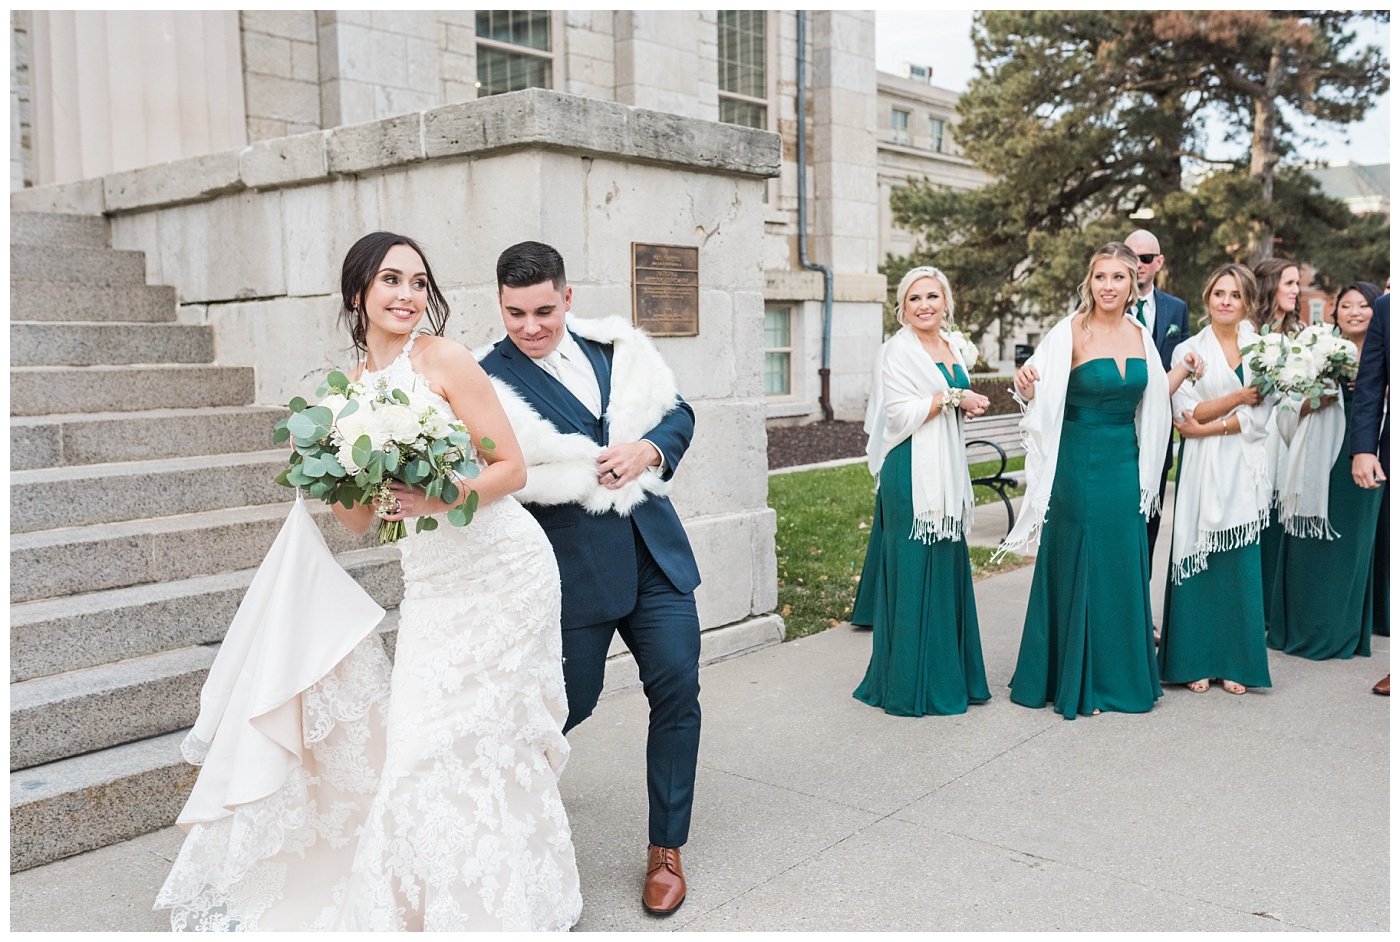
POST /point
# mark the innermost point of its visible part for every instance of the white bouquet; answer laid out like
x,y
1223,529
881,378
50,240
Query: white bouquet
x,y
1304,367
355,441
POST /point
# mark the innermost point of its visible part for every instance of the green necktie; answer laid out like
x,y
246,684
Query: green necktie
x,y
1142,303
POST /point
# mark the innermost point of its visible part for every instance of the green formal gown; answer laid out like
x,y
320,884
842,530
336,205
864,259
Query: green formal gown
x,y
1087,641
1326,601
1270,558
925,652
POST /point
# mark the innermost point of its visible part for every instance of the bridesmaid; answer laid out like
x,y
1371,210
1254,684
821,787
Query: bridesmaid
x,y
1096,423
1324,600
1223,493
1277,309
926,653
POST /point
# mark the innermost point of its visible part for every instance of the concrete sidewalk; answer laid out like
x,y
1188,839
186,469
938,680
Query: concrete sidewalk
x,y
814,811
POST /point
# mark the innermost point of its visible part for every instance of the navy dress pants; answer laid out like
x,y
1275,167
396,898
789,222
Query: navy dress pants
x,y
663,633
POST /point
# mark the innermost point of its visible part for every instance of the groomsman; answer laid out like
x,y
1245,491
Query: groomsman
x,y
1370,436
1167,322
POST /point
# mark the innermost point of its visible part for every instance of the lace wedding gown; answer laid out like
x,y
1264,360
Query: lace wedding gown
x,y
423,801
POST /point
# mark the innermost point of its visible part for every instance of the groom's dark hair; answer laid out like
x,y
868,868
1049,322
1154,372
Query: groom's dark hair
x,y
529,263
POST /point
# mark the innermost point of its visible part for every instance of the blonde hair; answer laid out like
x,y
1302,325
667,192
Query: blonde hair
x,y
907,282
1118,252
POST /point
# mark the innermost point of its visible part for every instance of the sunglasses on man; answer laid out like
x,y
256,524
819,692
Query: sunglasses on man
x,y
1147,258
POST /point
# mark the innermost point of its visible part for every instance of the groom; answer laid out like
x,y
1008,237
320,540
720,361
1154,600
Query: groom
x,y
602,428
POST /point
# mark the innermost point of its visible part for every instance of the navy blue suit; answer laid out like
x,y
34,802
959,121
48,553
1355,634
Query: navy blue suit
x,y
1171,312
635,575
1370,433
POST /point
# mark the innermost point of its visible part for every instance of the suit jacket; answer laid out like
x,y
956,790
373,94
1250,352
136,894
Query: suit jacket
x,y
596,552
1370,433
1171,311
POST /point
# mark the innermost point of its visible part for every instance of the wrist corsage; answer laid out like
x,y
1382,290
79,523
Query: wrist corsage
x,y
953,396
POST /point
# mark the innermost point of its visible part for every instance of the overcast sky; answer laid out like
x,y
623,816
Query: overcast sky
x,y
941,39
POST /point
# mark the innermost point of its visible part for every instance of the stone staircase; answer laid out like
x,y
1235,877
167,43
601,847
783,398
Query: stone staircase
x,y
141,501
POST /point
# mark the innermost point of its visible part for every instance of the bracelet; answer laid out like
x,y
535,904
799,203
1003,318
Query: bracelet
x,y
1224,429
953,396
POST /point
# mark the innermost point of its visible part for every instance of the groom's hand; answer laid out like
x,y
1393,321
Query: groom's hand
x,y
622,464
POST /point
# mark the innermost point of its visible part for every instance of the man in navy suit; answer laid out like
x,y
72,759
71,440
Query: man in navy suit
x,y
602,429
1370,433
1168,323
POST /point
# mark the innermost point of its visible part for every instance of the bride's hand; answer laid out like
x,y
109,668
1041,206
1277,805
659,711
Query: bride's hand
x,y
412,502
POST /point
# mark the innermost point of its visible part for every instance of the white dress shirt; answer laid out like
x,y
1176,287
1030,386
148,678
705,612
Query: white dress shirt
x,y
570,365
1149,312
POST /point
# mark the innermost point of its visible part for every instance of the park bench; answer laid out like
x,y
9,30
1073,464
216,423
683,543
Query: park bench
x,y
996,438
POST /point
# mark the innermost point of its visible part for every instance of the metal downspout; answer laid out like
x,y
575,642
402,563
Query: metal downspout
x,y
825,372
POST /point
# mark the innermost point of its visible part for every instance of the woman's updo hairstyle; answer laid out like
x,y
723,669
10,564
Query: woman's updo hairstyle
x,y
358,272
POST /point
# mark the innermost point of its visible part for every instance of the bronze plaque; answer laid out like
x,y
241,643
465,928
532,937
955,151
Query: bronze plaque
x,y
666,289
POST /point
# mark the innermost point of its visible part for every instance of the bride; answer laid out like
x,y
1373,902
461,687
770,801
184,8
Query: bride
x,y
427,799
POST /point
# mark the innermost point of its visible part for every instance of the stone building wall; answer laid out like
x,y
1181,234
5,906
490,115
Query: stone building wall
x,y
254,239
281,72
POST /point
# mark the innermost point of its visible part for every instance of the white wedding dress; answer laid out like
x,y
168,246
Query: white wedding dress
x,y
425,800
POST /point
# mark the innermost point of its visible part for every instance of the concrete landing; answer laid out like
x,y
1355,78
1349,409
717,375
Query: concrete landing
x,y
816,812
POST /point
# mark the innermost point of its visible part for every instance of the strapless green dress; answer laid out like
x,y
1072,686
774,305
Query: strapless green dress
x,y
1087,642
1197,642
1326,601
925,651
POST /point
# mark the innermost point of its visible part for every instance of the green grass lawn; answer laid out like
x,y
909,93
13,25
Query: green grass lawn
x,y
824,518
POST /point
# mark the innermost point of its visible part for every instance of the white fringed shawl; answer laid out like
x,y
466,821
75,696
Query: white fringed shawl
x,y
905,383
1225,484
1043,416
1313,443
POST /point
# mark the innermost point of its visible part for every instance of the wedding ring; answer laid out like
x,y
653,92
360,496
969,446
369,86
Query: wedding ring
x,y
614,474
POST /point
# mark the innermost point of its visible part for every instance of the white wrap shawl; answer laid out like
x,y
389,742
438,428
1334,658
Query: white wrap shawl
x,y
1312,444
1225,483
561,467
1043,416
906,380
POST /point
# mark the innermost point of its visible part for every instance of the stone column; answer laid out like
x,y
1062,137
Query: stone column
x,y
377,64
667,60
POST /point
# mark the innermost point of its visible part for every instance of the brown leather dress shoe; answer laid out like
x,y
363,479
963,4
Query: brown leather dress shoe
x,y
664,890
1382,688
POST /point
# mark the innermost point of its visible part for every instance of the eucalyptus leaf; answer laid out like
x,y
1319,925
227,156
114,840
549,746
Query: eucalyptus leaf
x,y
488,444
391,459
434,488
450,492
400,396
458,517
351,407
302,426
312,467
332,465
321,415
337,380
362,450
297,404
458,438
280,434
282,478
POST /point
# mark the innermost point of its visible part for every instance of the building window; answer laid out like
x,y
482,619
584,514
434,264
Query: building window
x,y
777,351
743,68
513,51
899,121
935,133
1315,311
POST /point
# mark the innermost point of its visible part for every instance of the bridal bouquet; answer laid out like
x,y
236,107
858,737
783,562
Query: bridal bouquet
x,y
356,440
1303,367
964,345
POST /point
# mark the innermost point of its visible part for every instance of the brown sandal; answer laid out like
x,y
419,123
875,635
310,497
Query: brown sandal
x,y
1199,686
1232,687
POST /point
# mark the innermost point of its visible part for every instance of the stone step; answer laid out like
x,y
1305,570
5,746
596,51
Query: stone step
x,y
86,343
55,301
53,441
76,264
49,390
75,805
81,803
81,711
48,229
71,560
79,496
65,634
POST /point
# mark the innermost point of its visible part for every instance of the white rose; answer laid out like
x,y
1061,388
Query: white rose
x,y
346,454
398,423
335,402
364,421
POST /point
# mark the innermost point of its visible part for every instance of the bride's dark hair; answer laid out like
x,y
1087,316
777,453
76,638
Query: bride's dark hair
x,y
357,274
